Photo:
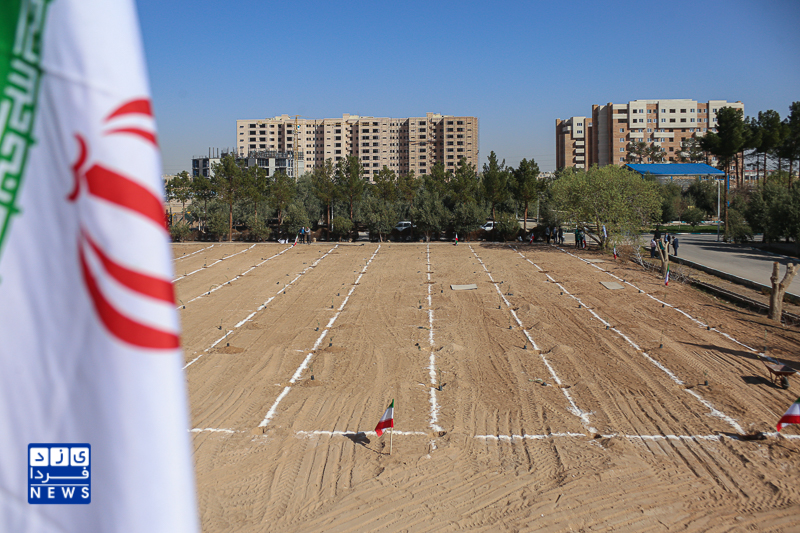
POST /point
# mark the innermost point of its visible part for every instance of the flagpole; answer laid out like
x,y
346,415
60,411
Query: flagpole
x,y
391,435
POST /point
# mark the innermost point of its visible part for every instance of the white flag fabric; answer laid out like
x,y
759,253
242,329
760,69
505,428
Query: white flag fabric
x,y
89,333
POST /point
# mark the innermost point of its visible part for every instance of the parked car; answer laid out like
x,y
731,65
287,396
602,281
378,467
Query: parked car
x,y
404,225
489,226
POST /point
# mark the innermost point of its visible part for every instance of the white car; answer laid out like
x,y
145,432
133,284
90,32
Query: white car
x,y
489,226
404,225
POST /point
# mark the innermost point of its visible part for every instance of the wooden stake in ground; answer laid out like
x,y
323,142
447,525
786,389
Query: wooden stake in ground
x,y
779,289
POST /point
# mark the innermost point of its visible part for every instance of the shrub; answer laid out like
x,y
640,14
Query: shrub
x,y
342,226
506,226
180,231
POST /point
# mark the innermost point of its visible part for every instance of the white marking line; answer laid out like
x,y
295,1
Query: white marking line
x,y
432,362
719,437
299,372
687,315
260,308
583,415
355,433
191,254
714,411
511,438
212,264
218,287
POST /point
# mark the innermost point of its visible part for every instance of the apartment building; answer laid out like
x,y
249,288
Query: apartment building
x,y
609,133
401,144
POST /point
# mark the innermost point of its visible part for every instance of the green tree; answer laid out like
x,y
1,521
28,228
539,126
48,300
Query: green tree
x,y
656,153
341,226
179,188
408,186
612,196
693,216
463,187
429,212
379,215
506,226
726,143
437,180
324,186
467,217
527,186
350,180
768,134
790,146
704,195
282,191
637,152
495,182
203,190
256,188
296,218
227,182
691,151
385,185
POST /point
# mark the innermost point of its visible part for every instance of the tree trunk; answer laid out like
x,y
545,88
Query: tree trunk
x,y
663,254
525,220
230,222
779,289
726,210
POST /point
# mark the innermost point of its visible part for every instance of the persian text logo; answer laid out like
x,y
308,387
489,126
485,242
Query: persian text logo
x,y
59,473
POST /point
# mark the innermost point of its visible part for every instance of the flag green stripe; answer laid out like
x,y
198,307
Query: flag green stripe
x,y
21,34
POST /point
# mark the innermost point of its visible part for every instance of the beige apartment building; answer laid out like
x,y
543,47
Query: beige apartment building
x,y
401,144
605,137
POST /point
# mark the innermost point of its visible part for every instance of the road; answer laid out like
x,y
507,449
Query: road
x,y
737,259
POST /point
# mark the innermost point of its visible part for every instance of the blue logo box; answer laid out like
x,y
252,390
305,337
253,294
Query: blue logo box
x,y
59,473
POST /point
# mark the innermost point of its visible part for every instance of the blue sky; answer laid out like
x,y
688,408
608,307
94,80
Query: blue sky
x,y
517,66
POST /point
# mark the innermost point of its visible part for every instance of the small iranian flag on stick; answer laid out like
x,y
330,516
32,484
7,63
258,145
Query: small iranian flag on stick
x,y
666,280
386,421
615,252
792,415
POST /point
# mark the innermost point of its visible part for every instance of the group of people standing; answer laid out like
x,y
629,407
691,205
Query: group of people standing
x,y
556,233
663,242
304,235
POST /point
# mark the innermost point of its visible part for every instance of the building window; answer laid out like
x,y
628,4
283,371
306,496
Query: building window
x,y
622,130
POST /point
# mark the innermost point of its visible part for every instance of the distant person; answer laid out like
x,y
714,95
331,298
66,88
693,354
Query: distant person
x,y
302,235
547,234
657,234
561,236
577,236
675,245
308,235
652,247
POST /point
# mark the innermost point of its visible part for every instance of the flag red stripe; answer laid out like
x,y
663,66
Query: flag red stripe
x,y
157,288
119,325
119,190
144,134
135,107
383,424
788,419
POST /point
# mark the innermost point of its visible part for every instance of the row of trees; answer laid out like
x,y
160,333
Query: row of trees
x,y
443,200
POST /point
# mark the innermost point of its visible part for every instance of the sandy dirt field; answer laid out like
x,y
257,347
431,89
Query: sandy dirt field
x,y
540,401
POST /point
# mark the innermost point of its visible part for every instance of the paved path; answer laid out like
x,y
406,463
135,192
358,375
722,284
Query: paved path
x,y
737,259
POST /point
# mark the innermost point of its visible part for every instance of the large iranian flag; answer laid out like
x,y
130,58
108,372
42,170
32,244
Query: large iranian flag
x,y
89,346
